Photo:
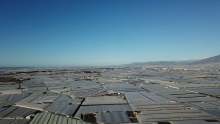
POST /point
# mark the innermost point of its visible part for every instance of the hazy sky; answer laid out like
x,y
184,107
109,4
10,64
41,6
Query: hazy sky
x,y
103,32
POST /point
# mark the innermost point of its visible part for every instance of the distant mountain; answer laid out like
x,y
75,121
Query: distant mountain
x,y
164,63
211,60
214,59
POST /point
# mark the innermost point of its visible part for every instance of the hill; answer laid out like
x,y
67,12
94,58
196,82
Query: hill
x,y
214,59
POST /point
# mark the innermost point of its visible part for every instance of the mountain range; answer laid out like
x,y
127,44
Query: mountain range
x,y
214,59
210,60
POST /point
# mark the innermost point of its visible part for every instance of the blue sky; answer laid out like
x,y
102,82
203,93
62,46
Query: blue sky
x,y
106,32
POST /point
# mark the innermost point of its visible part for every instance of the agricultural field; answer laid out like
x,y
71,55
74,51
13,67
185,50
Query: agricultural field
x,y
136,93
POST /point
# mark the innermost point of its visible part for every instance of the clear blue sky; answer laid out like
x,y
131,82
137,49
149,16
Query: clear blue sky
x,y
103,32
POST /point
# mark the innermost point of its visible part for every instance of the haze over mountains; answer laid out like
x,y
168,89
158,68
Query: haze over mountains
x,y
210,61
